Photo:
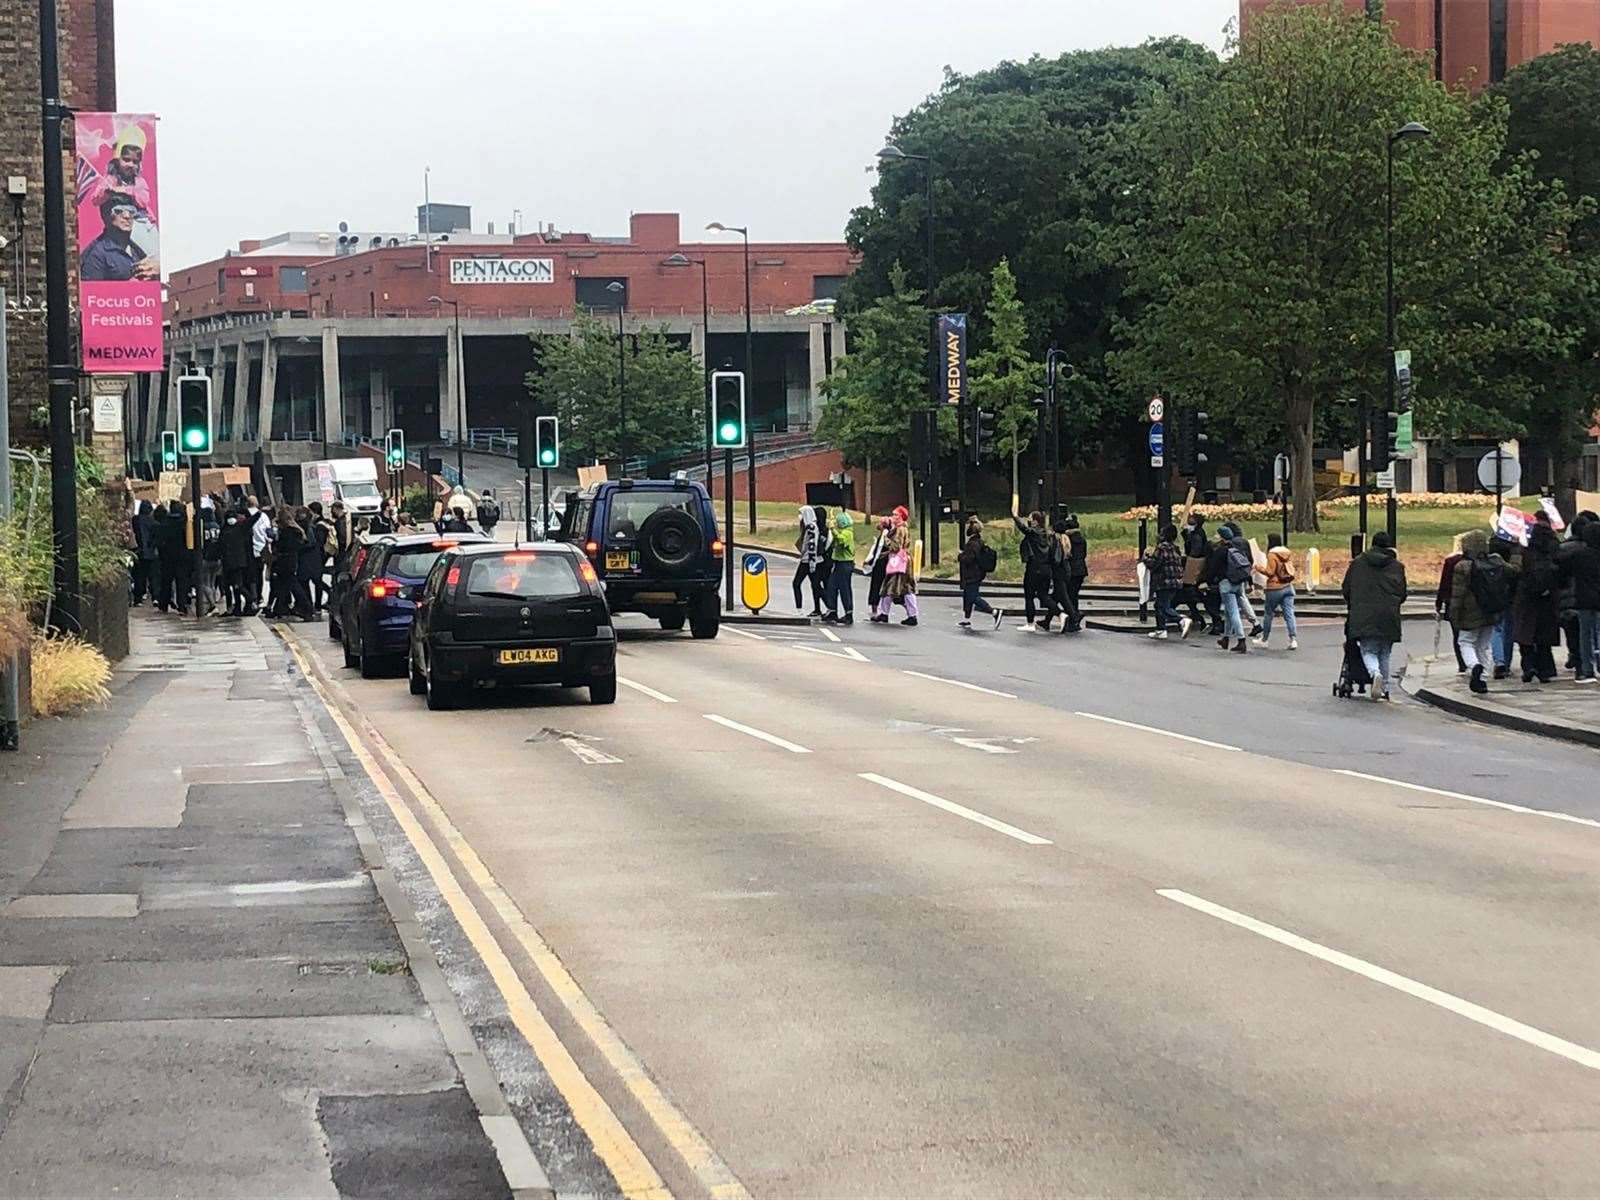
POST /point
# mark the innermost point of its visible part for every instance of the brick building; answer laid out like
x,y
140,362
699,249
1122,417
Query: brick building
x,y
87,56
333,336
1475,41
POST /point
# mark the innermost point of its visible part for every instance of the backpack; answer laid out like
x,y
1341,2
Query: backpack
x,y
1239,565
1491,586
330,539
1282,570
988,560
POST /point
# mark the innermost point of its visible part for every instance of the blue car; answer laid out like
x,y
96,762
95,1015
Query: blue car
x,y
375,607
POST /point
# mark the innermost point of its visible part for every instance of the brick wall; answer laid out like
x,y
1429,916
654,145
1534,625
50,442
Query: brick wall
x,y
786,481
88,82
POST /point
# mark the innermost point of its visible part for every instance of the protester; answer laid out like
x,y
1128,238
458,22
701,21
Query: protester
x,y
309,567
1511,552
210,584
877,564
1196,553
384,522
342,527
841,584
236,560
1076,548
1442,597
899,580
1278,571
1039,552
1232,565
1165,564
811,567
288,547
488,512
1579,560
975,562
261,532
146,569
1480,588
1537,614
325,539
172,549
456,522
1374,588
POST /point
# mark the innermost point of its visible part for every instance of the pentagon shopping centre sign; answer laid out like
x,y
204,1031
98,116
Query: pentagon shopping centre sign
x,y
502,270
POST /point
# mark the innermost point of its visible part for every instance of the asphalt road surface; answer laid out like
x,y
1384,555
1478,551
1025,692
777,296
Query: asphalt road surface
x,y
891,912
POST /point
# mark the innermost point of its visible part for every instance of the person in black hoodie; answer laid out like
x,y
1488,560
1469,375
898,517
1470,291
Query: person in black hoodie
x,y
236,560
1537,609
146,571
172,549
1579,561
1193,592
309,567
1039,551
973,570
1074,570
1374,588
286,585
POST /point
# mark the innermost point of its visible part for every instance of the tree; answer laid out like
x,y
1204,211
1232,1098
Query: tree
x,y
577,379
1263,255
1005,377
875,387
1033,165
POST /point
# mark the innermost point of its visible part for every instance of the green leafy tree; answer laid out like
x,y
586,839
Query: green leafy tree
x,y
1262,257
1005,377
577,379
1033,164
875,387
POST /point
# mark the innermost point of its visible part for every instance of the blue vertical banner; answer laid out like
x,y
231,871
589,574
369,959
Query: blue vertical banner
x,y
952,336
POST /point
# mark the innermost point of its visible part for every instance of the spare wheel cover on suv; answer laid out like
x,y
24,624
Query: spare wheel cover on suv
x,y
670,541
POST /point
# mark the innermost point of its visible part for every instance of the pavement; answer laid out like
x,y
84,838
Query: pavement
x,y
1563,710
210,982
877,911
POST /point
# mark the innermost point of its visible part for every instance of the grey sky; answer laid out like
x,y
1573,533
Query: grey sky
x,y
301,113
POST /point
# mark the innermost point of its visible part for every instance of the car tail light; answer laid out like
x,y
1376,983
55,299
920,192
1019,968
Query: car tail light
x,y
445,545
525,557
453,577
592,549
586,573
716,548
378,589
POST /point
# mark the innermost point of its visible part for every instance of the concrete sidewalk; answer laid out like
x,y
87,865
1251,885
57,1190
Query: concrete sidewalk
x,y
209,983
1563,710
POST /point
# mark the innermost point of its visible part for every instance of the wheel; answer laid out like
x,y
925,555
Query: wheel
x,y
704,627
704,616
440,697
419,681
603,690
349,658
371,664
672,620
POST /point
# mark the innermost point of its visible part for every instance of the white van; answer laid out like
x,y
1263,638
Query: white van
x,y
352,480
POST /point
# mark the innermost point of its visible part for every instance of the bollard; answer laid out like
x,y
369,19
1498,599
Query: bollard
x,y
1144,542
1313,570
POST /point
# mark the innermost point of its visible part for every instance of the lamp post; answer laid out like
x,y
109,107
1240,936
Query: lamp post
x,y
683,260
891,153
616,289
1410,131
749,366
461,393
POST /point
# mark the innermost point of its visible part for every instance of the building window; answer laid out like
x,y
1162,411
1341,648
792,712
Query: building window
x,y
593,291
291,279
826,287
249,289
222,281
1497,40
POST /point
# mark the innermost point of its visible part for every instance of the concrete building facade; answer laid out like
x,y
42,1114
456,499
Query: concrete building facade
x,y
321,337
1473,41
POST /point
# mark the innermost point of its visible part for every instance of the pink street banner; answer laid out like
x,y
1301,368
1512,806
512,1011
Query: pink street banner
x,y
119,243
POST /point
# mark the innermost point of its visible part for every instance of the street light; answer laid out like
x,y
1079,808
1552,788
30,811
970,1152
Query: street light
x,y
749,357
616,288
683,260
1410,131
891,153
461,394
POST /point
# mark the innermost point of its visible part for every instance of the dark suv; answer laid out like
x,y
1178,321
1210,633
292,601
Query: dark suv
x,y
654,544
372,610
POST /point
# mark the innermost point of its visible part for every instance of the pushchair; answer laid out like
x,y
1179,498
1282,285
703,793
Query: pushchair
x,y
1353,673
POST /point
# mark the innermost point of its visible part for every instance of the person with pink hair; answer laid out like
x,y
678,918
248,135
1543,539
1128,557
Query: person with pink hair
x,y
899,581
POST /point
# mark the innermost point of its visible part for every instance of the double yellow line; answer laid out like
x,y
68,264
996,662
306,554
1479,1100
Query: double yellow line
x,y
622,1156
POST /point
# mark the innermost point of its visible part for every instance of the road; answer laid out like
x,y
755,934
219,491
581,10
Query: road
x,y
888,912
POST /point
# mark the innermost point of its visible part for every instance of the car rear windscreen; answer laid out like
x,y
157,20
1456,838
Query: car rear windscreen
x,y
524,576
412,564
630,510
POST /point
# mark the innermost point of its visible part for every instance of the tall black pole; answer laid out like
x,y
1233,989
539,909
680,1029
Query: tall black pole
x,y
544,488
622,392
461,403
750,390
727,520
527,504
705,362
197,566
58,337
1388,314
934,500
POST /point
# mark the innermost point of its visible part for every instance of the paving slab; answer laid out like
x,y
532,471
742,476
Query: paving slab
x,y
1564,710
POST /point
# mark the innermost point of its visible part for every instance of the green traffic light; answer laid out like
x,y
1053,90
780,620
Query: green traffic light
x,y
729,432
194,438
547,456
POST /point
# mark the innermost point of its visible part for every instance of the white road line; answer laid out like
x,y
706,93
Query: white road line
x,y
1581,1055
648,691
587,753
749,633
845,652
1011,831
1182,737
979,744
971,687
773,738
828,633
1432,791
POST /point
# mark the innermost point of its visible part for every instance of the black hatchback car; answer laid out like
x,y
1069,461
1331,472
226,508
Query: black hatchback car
x,y
372,610
497,615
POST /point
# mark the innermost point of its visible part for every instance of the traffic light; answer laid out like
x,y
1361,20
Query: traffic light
x,y
727,409
1391,435
983,431
394,451
1183,444
169,449
194,414
547,442
1202,439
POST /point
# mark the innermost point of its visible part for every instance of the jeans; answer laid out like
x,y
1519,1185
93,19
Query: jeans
x,y
1232,594
1476,647
1037,586
841,588
1502,640
1375,654
1279,599
1166,607
1588,642
971,600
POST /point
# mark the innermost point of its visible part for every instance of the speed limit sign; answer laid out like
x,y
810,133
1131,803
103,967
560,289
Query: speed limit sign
x,y
1158,408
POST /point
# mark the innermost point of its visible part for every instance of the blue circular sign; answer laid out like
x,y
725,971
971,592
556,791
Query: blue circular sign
x,y
1157,437
755,564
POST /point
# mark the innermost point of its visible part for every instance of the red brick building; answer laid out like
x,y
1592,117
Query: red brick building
x,y
321,335
1475,41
